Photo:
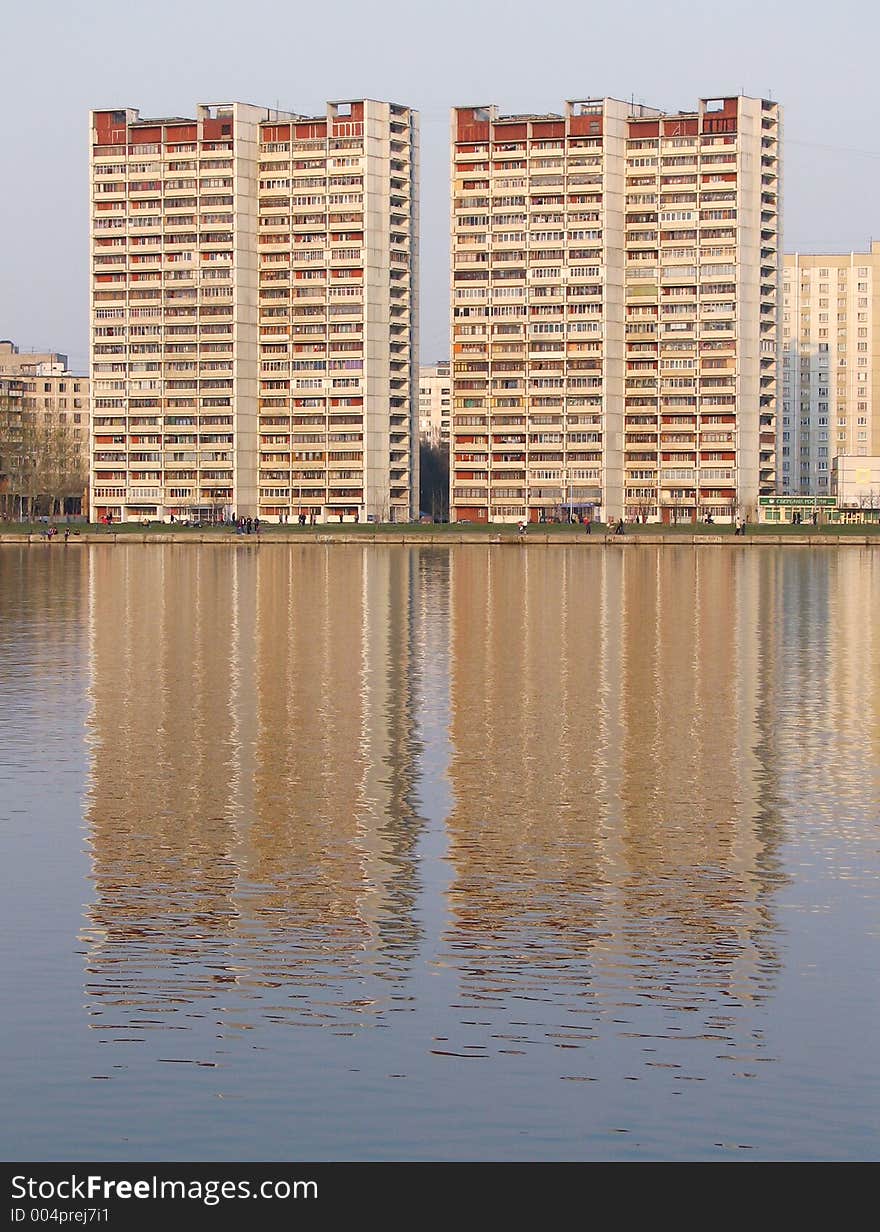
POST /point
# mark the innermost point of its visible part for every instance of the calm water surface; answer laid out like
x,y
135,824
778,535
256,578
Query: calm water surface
x,y
378,853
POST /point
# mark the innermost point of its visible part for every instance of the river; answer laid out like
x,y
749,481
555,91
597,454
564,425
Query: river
x,y
339,852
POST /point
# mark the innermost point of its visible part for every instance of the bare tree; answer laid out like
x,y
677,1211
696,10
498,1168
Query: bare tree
x,y
869,501
10,430
17,457
68,464
43,463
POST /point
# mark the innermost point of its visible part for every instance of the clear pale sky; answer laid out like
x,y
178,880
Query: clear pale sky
x,y
63,58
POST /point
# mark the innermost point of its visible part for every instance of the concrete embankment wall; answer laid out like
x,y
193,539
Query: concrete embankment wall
x,y
535,539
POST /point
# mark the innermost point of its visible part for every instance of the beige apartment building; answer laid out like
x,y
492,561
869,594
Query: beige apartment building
x,y
57,400
435,404
615,276
831,365
51,389
338,283
253,312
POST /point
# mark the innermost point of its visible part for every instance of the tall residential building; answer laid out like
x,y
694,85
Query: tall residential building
x,y
615,277
174,312
217,289
831,365
338,314
435,404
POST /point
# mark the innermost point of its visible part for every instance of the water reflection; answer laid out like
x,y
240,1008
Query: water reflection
x,y
630,739
616,828
251,791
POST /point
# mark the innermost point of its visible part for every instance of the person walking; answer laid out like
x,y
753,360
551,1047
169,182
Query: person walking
x,y
619,530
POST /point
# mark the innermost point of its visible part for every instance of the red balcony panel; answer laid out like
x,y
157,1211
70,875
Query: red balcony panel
x,y
315,130
275,132
585,125
213,130
180,132
543,129
679,126
107,130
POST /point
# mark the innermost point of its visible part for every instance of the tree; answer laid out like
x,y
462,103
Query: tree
x,y
433,481
10,427
16,456
869,501
41,462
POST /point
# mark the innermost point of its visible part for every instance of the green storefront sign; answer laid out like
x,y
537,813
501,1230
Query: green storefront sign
x,y
798,502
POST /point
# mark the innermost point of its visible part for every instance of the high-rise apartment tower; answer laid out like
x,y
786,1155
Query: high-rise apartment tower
x,y
338,244
253,313
615,277
831,365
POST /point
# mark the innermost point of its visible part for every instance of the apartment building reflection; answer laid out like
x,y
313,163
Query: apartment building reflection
x,y
608,745
250,801
50,579
163,807
614,775
830,675
331,847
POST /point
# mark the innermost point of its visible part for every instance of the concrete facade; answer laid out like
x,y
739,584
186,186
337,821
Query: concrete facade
x,y
215,277
615,275
855,481
339,314
831,365
435,404
50,389
174,312
58,401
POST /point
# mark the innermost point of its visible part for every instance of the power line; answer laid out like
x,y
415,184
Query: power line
x,y
843,149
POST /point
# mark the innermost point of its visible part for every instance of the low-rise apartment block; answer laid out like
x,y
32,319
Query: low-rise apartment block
x,y
615,276
55,430
855,483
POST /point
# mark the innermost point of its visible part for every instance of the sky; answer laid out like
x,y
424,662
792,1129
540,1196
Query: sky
x,y
64,57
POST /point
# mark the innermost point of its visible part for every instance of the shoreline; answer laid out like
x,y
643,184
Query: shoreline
x,y
446,538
